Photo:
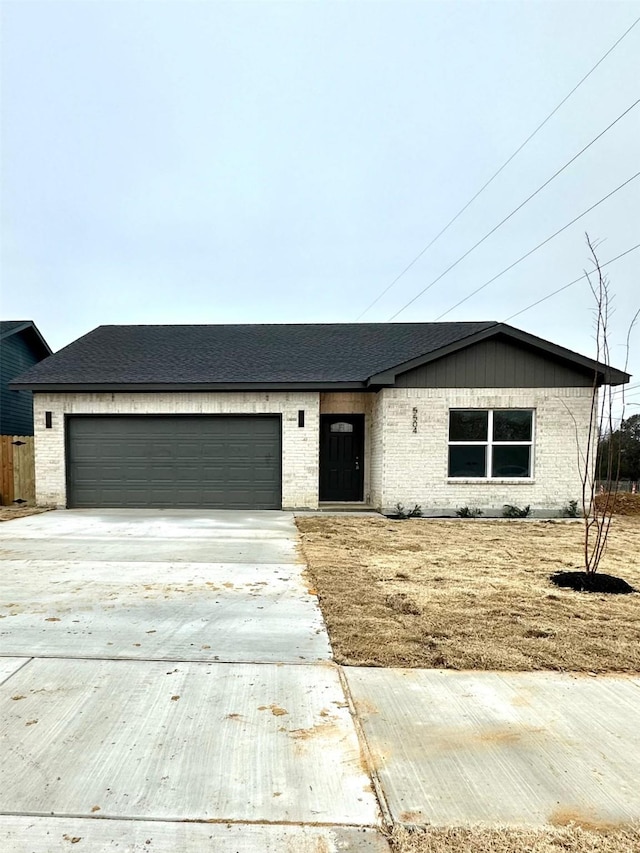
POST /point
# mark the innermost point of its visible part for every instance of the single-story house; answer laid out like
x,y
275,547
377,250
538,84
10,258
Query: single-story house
x,y
296,416
21,346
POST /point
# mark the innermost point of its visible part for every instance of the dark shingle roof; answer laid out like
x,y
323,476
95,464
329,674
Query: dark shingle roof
x,y
239,354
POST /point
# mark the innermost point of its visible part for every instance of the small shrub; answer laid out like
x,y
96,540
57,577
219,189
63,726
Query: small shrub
x,y
401,512
513,511
468,512
570,510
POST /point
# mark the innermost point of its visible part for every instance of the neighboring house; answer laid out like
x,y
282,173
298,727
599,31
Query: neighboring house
x,y
290,416
21,346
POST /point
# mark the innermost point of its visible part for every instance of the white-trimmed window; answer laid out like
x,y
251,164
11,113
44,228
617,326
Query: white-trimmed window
x,y
491,443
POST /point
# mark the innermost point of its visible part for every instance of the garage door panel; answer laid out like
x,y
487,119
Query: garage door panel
x,y
174,461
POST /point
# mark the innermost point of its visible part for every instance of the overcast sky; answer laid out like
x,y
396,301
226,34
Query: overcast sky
x,y
212,162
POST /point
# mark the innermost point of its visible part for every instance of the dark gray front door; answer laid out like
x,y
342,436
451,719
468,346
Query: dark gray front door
x,y
220,462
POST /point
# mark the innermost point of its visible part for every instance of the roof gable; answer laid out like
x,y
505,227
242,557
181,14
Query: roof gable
x,y
30,331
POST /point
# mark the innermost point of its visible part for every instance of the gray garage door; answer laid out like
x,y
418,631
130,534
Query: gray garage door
x,y
192,461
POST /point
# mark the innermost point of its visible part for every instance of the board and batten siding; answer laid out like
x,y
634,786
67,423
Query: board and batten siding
x,y
300,445
494,364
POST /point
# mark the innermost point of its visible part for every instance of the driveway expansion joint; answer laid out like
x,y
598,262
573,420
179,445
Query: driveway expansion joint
x,y
321,662
365,753
10,675
217,821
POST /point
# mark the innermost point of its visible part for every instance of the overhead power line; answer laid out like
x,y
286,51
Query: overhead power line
x,y
497,172
624,390
515,210
535,248
570,284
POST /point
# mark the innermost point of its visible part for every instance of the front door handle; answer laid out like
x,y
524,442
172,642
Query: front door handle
x,y
357,463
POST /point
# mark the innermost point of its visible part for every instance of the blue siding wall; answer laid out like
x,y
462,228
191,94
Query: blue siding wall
x,y
16,407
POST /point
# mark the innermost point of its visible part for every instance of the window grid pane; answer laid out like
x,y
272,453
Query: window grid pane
x,y
468,425
468,460
512,425
513,460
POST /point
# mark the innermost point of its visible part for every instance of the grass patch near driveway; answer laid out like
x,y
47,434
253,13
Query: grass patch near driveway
x,y
471,594
7,513
572,839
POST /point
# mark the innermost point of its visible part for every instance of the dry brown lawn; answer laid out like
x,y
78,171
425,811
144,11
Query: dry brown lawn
x,y
471,594
572,839
9,512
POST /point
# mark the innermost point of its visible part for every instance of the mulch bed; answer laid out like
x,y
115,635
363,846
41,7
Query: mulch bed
x,y
598,582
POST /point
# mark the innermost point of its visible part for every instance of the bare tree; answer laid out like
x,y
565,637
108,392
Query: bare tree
x,y
597,514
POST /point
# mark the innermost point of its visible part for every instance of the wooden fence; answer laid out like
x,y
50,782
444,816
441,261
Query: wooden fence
x,y
632,486
17,470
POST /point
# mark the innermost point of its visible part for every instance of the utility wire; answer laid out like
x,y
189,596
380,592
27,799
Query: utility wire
x,y
515,210
495,174
565,286
626,388
535,248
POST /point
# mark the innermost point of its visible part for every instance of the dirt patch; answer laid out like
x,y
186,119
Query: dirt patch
x,y
275,710
624,504
577,817
7,513
326,730
570,839
471,595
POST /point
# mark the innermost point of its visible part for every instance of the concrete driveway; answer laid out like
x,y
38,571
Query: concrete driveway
x,y
157,585
170,671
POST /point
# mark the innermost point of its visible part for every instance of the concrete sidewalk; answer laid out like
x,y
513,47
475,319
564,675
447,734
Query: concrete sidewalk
x,y
534,749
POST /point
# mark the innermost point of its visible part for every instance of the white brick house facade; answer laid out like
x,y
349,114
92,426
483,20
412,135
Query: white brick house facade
x,y
411,467
299,446
405,450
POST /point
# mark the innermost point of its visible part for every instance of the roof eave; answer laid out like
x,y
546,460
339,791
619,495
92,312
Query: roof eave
x,y
135,387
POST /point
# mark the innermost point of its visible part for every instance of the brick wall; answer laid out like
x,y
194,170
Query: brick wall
x,y
299,445
377,458
400,465
411,468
